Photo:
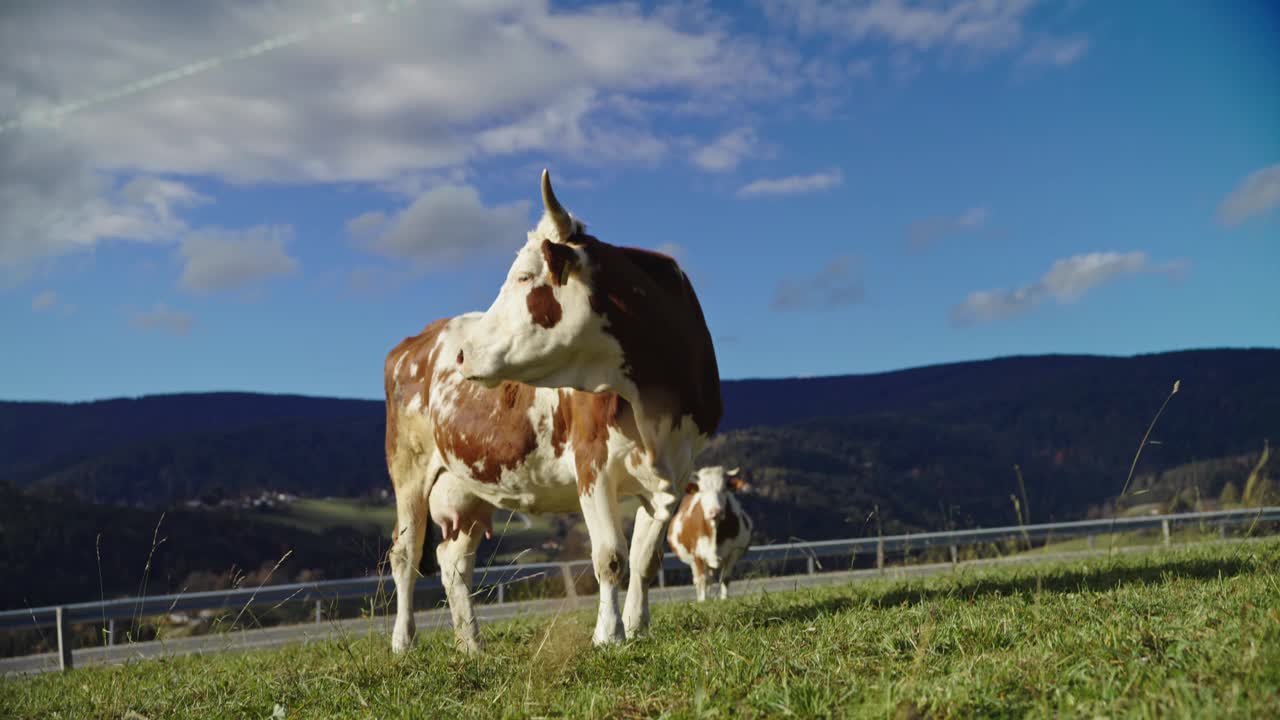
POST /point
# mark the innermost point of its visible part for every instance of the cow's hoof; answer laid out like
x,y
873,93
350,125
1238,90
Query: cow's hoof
x,y
401,643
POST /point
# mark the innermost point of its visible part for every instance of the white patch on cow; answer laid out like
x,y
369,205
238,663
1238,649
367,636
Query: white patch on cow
x,y
415,403
546,229
413,368
576,352
399,362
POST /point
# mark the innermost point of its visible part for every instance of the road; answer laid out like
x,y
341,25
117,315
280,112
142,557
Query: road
x,y
438,619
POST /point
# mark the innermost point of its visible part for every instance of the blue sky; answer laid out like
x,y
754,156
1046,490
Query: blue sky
x,y
853,187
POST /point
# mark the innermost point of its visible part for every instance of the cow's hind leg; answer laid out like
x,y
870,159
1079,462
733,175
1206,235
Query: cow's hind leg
x,y
608,557
646,559
406,552
463,519
726,567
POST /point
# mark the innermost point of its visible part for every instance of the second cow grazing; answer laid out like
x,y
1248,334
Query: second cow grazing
x,y
710,531
590,378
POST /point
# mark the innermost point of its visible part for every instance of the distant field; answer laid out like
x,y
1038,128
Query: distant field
x,y
1191,632
319,514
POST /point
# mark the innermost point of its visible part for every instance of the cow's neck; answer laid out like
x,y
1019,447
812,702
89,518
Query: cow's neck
x,y
669,371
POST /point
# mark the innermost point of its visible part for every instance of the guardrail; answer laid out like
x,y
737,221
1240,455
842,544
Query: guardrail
x,y
495,578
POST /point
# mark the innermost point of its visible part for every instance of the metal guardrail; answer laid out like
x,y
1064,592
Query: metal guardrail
x,y
496,577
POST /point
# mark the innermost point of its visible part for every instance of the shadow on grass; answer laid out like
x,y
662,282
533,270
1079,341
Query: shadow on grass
x,y
1069,580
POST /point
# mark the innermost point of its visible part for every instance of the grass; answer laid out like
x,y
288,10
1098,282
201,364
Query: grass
x,y
1187,632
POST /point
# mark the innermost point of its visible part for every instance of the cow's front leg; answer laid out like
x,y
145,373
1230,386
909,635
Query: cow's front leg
x,y
608,557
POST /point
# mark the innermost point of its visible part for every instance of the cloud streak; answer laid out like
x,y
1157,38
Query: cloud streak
x,y
922,234
162,318
1257,194
726,151
794,184
837,285
1066,281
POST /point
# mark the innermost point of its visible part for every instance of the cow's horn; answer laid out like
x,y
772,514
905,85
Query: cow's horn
x,y
564,224
734,471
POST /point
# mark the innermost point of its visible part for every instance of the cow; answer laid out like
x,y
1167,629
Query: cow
x,y
591,377
710,531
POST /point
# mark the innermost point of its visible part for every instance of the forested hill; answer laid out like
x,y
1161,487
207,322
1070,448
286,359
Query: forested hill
x,y
927,444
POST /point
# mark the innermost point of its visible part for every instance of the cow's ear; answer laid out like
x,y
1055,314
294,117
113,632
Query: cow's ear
x,y
738,483
561,261
691,488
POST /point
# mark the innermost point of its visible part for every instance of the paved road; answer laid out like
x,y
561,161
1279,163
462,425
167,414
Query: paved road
x,y
439,619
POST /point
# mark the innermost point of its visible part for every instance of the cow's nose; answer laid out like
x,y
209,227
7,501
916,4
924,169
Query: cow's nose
x,y
715,515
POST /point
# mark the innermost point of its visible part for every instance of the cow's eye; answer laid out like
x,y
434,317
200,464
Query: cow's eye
x,y
524,277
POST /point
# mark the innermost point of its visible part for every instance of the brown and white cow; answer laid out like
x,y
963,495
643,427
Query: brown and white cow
x,y
710,531
591,377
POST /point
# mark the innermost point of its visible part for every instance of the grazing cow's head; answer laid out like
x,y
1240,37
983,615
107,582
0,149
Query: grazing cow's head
x,y
542,329
712,486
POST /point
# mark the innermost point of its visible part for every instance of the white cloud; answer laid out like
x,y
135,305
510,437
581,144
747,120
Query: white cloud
x,y
976,28
726,151
836,285
1256,194
793,184
431,86
363,227
446,224
217,259
1058,52
1067,280
44,301
162,318
55,203
297,91
922,233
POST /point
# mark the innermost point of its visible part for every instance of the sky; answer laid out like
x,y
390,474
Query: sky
x,y
269,196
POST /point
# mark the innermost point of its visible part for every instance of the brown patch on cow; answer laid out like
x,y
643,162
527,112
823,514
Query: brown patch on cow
x,y
652,309
560,423
488,429
401,386
693,524
561,260
592,414
543,306
459,358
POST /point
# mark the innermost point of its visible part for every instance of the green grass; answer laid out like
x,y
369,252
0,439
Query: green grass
x,y
1191,633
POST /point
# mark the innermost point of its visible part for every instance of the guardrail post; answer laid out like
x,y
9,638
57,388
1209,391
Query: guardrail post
x,y
1222,529
955,554
1164,528
662,576
809,564
319,612
570,590
64,639
502,595
1092,541
880,555
111,631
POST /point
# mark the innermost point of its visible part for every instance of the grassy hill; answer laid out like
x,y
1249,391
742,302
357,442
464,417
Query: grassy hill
x,y
918,449
951,432
1178,633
